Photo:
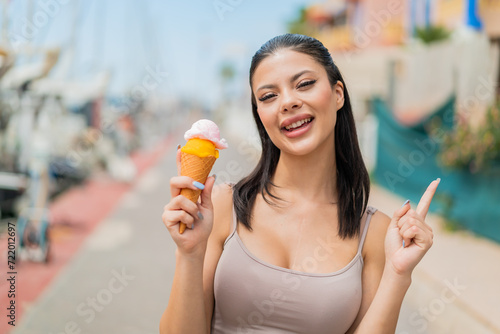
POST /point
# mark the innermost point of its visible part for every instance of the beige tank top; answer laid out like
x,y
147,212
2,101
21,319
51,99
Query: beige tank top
x,y
252,296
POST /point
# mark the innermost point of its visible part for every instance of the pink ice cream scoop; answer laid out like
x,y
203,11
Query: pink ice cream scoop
x,y
208,130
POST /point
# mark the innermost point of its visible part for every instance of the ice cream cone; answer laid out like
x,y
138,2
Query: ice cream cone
x,y
199,154
197,168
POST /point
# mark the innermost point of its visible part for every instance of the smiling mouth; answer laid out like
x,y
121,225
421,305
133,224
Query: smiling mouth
x,y
298,125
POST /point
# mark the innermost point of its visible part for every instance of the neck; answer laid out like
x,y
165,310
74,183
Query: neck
x,y
310,177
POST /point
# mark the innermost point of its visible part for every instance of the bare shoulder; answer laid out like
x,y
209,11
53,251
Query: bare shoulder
x,y
374,244
380,222
222,200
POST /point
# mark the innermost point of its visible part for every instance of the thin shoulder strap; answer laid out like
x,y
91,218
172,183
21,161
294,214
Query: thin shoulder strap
x,y
369,213
234,220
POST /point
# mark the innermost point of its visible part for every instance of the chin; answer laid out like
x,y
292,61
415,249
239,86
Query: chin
x,y
298,149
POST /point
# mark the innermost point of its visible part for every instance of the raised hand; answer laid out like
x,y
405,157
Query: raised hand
x,y
409,237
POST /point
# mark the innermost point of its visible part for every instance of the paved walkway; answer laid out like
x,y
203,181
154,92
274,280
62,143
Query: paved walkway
x,y
120,278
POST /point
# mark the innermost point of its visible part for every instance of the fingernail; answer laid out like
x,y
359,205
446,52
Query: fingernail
x,y
403,244
198,185
406,202
215,177
438,179
192,226
200,215
178,146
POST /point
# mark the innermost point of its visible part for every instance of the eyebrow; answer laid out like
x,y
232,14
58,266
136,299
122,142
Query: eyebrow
x,y
295,77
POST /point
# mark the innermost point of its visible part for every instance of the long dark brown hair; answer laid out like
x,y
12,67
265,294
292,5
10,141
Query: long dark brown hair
x,y
353,183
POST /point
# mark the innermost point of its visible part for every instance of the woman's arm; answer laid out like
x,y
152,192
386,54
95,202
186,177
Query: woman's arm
x,y
374,262
194,272
383,314
198,250
382,293
185,312
391,277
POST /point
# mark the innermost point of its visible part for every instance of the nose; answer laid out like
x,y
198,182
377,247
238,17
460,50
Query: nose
x,y
290,102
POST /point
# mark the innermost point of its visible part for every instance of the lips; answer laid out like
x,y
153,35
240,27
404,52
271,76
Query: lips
x,y
298,124
295,122
298,131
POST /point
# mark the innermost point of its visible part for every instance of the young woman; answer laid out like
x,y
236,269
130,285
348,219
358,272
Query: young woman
x,y
293,247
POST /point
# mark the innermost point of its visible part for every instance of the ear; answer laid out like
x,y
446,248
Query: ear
x,y
339,94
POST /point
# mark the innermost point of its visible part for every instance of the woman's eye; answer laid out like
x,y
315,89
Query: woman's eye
x,y
266,97
306,83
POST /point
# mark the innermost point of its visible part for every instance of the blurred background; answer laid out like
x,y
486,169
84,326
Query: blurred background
x,y
96,95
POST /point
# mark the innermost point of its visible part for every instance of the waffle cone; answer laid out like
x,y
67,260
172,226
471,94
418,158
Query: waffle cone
x,y
197,168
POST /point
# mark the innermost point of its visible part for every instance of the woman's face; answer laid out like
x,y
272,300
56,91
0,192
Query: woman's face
x,y
295,101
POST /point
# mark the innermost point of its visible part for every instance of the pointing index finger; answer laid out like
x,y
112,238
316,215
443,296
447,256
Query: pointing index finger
x,y
426,199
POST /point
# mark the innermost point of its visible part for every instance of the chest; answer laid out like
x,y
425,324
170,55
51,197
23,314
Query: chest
x,y
255,297
302,238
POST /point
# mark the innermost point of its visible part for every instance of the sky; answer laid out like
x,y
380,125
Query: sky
x,y
187,41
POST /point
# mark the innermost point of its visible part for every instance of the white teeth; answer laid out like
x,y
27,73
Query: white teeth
x,y
297,124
